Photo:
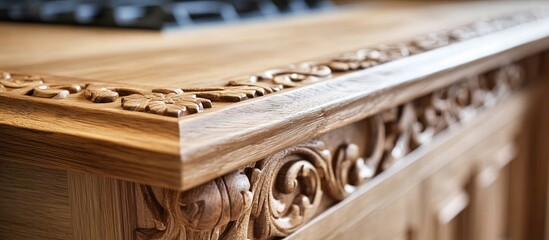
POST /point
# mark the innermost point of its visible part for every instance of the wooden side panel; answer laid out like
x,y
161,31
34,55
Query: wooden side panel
x,y
396,220
468,198
102,208
34,203
491,204
448,201
538,169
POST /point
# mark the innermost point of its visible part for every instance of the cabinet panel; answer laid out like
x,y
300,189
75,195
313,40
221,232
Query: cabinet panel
x,y
491,190
398,219
448,194
468,198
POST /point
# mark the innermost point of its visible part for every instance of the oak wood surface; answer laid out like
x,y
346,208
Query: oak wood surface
x,y
337,102
210,56
101,208
275,196
494,129
294,162
183,153
34,202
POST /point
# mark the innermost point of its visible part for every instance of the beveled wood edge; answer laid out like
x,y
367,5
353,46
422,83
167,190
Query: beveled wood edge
x,y
179,101
133,147
209,149
197,161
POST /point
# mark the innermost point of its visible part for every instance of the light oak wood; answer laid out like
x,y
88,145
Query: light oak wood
x,y
101,208
462,149
538,170
210,56
34,202
395,219
326,109
403,125
184,153
276,196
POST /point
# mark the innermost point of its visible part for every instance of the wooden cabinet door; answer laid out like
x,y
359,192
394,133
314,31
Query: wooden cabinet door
x,y
468,198
397,218
490,195
448,202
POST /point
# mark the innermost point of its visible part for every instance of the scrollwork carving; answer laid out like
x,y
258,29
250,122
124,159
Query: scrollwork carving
x,y
298,74
288,190
229,93
262,84
275,196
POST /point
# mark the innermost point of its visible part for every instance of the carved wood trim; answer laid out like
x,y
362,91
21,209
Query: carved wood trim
x,y
180,100
277,195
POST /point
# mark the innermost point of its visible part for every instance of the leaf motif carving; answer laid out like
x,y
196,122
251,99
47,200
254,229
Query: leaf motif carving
x,y
259,85
298,74
171,104
227,94
254,81
55,91
32,85
12,80
432,40
102,94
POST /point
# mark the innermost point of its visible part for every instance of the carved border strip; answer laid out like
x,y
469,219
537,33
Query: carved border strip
x,y
181,101
275,196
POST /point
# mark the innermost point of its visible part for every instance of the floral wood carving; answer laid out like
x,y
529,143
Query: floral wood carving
x,y
275,196
181,101
259,85
31,85
102,94
171,104
55,90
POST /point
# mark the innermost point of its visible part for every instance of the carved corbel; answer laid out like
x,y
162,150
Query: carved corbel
x,y
216,210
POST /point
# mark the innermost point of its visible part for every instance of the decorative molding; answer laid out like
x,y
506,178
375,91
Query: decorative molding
x,y
103,94
171,104
275,196
31,85
180,101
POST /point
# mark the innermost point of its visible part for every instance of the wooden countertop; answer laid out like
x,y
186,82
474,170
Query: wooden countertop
x,y
183,152
211,56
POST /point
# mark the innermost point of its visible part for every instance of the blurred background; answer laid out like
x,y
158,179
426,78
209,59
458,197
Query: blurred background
x,y
161,14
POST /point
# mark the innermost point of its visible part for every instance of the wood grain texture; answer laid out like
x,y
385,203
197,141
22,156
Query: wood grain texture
x,y
203,58
538,168
178,101
34,202
276,196
116,139
459,146
336,103
396,218
101,208
398,127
